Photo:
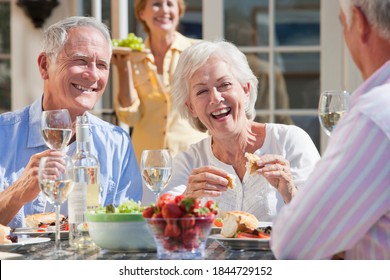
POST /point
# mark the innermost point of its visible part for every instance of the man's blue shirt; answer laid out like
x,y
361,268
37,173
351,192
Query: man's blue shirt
x,y
20,138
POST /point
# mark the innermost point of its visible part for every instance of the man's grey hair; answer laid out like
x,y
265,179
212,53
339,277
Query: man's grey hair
x,y
55,36
376,11
194,58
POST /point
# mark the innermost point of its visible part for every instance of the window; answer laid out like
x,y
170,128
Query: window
x,y
5,56
282,38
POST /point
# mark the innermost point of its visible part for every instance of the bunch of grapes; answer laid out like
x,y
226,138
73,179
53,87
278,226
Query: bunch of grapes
x,y
132,41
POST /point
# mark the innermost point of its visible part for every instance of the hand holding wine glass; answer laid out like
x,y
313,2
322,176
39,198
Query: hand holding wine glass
x,y
333,104
156,168
55,177
56,128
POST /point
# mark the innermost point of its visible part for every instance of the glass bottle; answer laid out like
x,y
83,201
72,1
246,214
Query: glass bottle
x,y
86,191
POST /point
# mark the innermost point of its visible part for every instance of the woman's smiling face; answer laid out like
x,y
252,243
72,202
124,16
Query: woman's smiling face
x,y
217,98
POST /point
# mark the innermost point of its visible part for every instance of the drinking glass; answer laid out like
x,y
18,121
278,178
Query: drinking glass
x,y
156,168
333,104
55,177
56,128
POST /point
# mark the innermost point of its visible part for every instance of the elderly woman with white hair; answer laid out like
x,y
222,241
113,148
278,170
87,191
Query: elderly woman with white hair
x,y
215,89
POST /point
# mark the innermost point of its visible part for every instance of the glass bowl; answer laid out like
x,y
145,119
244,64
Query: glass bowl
x,y
181,238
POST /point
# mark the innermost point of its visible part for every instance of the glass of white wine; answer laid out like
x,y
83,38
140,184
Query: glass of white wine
x,y
332,106
156,168
55,177
56,126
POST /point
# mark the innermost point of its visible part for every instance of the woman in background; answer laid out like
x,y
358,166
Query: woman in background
x,y
144,99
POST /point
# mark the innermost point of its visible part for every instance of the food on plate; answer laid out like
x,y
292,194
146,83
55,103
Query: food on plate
x,y
240,224
5,237
251,165
42,219
218,222
132,41
231,181
238,221
127,206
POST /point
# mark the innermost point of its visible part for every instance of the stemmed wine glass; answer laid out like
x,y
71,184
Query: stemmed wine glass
x,y
333,104
55,177
56,128
156,168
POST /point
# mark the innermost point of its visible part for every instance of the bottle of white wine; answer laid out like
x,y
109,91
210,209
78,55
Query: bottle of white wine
x,y
86,191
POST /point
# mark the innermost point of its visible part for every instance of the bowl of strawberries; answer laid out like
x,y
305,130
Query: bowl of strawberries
x,y
180,226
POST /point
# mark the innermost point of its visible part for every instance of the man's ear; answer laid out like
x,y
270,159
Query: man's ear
x,y
191,109
43,64
363,26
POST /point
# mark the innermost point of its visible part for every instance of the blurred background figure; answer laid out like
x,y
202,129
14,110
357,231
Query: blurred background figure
x,y
144,98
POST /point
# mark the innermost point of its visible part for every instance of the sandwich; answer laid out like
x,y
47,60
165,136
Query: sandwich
x,y
37,220
251,165
238,221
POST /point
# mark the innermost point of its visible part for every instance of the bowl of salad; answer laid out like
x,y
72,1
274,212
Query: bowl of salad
x,y
121,228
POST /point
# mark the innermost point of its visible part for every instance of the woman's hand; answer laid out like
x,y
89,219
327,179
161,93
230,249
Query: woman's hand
x,y
127,94
206,181
276,170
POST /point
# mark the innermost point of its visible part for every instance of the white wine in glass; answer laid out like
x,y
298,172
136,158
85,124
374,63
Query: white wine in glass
x,y
56,128
332,106
55,177
156,168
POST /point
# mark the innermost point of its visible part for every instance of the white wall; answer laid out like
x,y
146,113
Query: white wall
x,y
26,40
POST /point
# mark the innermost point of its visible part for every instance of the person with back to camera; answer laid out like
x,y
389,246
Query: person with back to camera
x,y
343,210
144,99
74,65
215,89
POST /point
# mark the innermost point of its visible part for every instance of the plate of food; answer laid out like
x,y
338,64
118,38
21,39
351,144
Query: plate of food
x,y
242,231
23,242
43,224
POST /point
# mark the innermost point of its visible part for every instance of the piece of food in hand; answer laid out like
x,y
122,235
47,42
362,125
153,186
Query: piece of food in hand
x,y
231,181
36,220
238,221
251,165
4,233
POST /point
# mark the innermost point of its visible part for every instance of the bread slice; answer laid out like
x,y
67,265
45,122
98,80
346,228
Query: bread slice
x,y
4,232
35,220
231,181
251,165
235,221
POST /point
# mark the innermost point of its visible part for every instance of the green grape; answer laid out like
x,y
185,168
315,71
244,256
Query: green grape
x,y
132,41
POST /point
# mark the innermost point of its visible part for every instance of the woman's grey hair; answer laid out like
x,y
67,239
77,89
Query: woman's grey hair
x,y
194,58
376,11
55,36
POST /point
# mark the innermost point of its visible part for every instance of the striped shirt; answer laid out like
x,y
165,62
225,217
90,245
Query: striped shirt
x,y
345,203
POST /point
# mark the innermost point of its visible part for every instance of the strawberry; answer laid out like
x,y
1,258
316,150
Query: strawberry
x,y
190,239
164,199
149,211
179,198
189,204
187,221
172,230
171,211
212,206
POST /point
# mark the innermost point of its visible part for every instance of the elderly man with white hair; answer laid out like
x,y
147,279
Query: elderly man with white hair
x,y
344,207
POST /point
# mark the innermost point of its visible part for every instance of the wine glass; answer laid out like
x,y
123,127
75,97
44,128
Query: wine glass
x,y
55,177
56,128
333,104
156,168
